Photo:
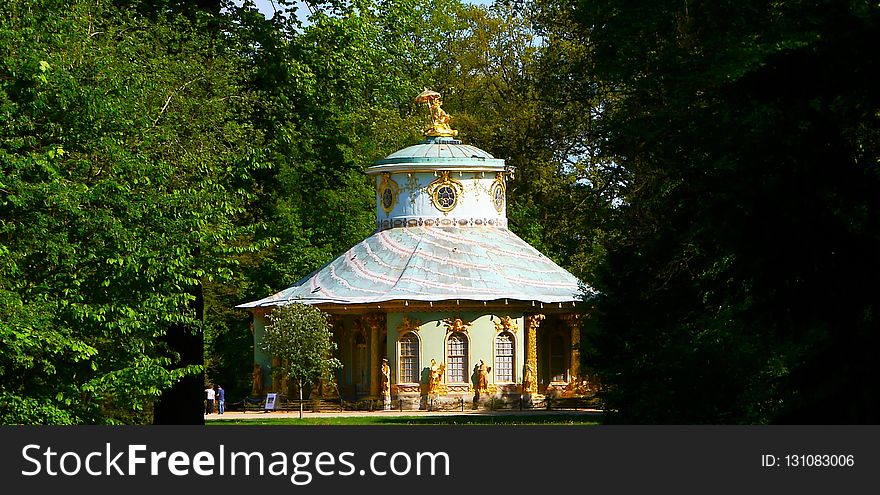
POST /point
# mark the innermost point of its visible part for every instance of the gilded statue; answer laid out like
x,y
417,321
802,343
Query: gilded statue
x,y
285,380
528,380
386,377
439,118
482,384
324,388
436,376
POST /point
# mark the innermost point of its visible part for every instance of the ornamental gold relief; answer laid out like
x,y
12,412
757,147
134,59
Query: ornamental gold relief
x,y
408,325
388,192
506,324
497,192
456,325
445,192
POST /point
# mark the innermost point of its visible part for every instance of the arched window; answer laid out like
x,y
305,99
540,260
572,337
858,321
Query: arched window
x,y
409,358
457,358
504,357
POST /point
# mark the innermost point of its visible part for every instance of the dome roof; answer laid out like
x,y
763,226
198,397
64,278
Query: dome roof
x,y
436,153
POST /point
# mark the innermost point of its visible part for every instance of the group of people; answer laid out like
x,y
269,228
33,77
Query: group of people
x,y
215,396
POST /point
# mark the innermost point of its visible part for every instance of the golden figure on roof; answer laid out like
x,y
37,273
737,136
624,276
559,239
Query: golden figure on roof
x,y
439,118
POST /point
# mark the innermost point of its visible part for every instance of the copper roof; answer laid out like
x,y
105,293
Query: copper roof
x,y
434,264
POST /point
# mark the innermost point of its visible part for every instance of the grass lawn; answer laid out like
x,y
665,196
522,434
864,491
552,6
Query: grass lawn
x,y
556,419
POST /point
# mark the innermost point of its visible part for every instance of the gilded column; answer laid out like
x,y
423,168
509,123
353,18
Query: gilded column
x,y
573,322
376,322
530,375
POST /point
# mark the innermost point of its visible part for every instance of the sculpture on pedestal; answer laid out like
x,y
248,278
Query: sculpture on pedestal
x,y
439,118
436,376
258,380
528,385
482,381
386,385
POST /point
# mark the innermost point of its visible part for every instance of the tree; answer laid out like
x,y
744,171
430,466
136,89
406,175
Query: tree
x,y
299,335
502,85
125,160
332,97
740,286
329,98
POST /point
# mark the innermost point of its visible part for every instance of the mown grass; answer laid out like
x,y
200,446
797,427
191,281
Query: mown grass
x,y
471,419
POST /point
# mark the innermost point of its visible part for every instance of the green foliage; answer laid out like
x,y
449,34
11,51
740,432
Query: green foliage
x,y
331,98
125,158
299,335
163,161
738,286
497,77
336,94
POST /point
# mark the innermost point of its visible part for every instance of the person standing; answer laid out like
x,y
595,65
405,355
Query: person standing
x,y
209,400
221,400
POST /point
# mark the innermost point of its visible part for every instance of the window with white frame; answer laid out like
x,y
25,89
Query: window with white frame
x,y
409,358
456,358
504,357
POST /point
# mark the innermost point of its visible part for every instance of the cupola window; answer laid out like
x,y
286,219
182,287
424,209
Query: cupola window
x,y
445,192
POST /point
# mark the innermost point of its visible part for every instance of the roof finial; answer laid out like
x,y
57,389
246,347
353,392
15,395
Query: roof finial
x,y
439,118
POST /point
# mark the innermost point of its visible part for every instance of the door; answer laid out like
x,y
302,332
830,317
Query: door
x,y
359,366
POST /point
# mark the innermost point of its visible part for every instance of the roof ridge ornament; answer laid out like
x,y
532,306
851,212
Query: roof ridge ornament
x,y
439,118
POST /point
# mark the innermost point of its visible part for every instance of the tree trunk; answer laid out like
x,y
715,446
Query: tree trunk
x,y
300,399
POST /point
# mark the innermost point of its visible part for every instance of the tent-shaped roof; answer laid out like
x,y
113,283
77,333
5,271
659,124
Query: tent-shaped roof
x,y
434,264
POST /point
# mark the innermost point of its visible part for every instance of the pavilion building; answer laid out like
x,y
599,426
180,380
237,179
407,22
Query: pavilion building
x,y
458,304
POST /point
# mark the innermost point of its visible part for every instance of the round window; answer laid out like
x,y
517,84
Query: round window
x,y
446,197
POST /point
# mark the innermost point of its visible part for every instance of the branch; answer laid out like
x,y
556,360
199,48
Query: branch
x,y
168,101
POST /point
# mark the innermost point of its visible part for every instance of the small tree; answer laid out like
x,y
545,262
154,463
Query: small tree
x,y
299,335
